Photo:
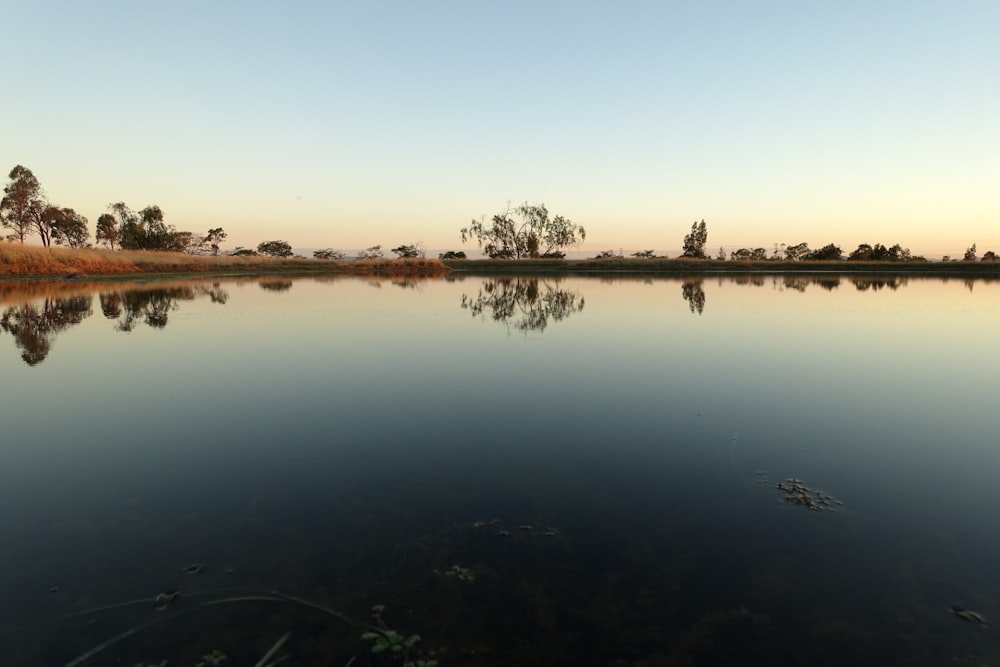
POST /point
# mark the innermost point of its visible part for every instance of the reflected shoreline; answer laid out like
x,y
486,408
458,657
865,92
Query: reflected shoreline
x,y
35,312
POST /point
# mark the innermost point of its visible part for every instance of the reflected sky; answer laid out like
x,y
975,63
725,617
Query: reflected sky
x,y
282,427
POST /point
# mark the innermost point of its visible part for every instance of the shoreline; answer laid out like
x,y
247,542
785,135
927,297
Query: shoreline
x,y
21,263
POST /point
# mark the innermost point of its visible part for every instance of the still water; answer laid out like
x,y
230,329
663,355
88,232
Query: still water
x,y
770,470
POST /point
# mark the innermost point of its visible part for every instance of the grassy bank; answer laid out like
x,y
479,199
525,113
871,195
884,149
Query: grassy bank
x,y
20,261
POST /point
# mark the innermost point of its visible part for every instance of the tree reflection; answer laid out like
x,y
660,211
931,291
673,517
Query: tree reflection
x,y
275,285
865,284
152,307
525,304
694,294
800,283
34,326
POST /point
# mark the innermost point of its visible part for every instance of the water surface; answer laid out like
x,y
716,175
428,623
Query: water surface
x,y
522,471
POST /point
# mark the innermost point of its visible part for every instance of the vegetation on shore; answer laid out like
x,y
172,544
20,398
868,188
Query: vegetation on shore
x,y
23,261
683,265
18,260
141,242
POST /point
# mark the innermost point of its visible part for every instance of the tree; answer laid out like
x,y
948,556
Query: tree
x,y
328,253
745,254
409,251
970,253
525,231
879,253
990,256
240,251
107,230
275,249
694,243
452,254
69,228
374,252
826,253
796,252
214,239
146,230
644,254
22,205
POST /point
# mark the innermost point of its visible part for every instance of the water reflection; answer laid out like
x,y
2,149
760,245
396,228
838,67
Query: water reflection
x,y
153,306
694,294
525,304
275,285
34,326
865,284
800,283
35,312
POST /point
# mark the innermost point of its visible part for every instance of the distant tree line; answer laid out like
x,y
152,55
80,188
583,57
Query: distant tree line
x,y
26,211
525,231
696,240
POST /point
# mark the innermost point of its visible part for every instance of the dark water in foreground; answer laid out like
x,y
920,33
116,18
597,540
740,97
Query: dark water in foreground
x,y
522,472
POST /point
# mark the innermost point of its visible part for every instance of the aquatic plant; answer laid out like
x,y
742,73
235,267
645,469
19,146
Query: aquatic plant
x,y
216,657
386,640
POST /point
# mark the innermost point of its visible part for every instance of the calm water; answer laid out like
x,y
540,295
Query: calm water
x,y
522,471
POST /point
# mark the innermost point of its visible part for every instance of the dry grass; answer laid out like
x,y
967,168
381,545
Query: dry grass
x,y
27,261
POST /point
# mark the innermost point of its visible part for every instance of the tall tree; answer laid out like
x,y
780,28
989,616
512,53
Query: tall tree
x,y
130,232
22,204
68,227
525,231
694,243
214,239
107,230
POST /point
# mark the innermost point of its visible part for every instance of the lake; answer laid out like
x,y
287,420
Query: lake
x,y
619,470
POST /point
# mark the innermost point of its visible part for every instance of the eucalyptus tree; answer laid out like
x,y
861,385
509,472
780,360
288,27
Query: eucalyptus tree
x,y
22,205
107,231
694,242
524,231
68,227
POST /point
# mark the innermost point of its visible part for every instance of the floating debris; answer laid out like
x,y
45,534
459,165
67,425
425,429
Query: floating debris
x,y
194,568
796,492
54,589
163,599
460,573
214,658
970,616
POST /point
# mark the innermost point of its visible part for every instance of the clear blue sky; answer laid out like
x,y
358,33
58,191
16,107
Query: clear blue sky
x,y
353,124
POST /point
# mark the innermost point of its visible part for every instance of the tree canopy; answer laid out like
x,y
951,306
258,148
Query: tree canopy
x,y
22,204
275,248
524,231
694,243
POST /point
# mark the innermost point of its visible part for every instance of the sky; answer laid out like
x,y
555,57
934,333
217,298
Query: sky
x,y
351,124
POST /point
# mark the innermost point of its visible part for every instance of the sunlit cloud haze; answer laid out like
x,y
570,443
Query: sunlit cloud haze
x,y
345,125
